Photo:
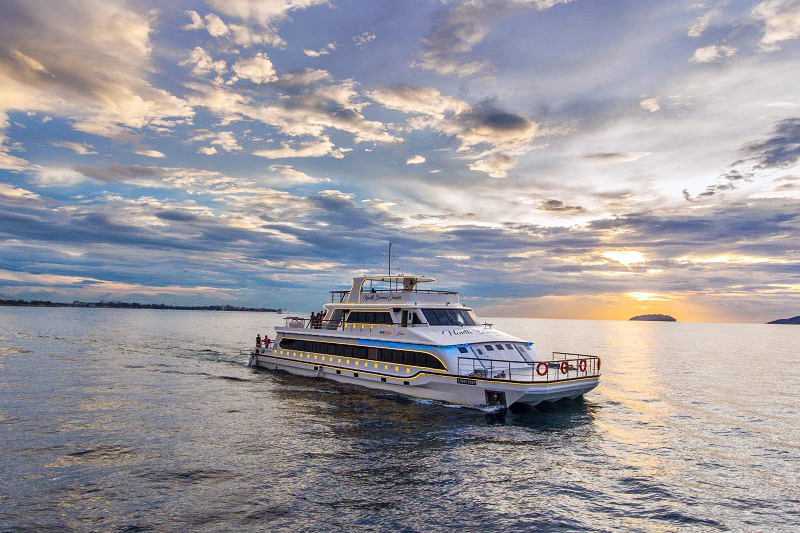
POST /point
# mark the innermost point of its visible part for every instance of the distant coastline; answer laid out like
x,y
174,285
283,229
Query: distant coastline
x,y
134,305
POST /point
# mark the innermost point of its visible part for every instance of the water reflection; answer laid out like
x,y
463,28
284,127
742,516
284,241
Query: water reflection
x,y
152,421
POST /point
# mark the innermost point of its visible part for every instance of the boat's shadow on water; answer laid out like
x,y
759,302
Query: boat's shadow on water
x,y
354,401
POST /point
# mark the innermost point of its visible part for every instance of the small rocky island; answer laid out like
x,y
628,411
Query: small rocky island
x,y
654,318
793,320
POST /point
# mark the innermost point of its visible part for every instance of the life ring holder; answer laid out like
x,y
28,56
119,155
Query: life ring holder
x,y
582,365
539,366
564,367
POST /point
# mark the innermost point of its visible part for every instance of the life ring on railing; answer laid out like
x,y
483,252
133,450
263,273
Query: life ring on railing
x,y
598,364
539,369
582,365
564,367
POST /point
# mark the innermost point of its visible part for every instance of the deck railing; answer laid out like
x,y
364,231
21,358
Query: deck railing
x,y
563,366
306,323
343,295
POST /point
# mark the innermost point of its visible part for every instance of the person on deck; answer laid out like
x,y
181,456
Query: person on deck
x,y
266,340
258,340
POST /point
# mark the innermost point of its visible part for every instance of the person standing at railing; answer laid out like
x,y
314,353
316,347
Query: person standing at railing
x,y
258,340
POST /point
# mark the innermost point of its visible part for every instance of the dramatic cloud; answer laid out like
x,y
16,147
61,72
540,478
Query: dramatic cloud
x,y
781,150
595,171
68,71
447,49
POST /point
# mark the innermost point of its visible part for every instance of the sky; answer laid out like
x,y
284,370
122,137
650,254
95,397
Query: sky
x,y
546,158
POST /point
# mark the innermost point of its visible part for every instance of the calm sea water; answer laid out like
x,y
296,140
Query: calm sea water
x,y
150,420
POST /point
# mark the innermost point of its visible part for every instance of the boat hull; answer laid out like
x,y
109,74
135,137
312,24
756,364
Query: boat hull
x,y
437,386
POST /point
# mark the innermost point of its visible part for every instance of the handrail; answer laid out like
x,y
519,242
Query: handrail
x,y
554,370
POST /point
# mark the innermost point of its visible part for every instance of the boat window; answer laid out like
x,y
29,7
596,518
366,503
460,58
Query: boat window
x,y
509,347
364,317
498,346
489,348
416,319
387,355
480,352
449,317
462,349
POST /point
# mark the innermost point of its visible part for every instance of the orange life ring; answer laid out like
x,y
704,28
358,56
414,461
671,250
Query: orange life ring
x,y
539,368
582,365
564,367
598,364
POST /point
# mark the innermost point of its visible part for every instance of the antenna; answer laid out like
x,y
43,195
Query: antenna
x,y
390,258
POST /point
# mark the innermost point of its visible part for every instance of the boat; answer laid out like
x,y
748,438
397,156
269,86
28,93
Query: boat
x,y
387,333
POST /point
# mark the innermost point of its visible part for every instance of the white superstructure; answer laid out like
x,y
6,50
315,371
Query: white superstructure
x,y
387,333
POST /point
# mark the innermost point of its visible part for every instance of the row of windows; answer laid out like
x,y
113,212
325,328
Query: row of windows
x,y
449,317
363,317
498,346
386,355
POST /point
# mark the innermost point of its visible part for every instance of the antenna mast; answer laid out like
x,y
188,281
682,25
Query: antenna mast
x,y
390,258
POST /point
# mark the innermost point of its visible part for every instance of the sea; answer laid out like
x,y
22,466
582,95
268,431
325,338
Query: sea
x,y
150,420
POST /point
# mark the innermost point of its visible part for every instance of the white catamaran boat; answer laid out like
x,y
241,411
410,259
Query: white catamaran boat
x,y
387,334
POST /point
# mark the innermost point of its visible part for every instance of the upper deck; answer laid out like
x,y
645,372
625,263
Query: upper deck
x,y
394,290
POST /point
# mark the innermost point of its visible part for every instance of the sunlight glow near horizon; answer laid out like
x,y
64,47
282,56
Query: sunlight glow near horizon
x,y
256,152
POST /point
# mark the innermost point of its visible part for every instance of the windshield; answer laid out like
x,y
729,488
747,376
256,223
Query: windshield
x,y
449,317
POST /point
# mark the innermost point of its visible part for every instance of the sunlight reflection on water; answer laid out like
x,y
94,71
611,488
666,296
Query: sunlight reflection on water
x,y
113,419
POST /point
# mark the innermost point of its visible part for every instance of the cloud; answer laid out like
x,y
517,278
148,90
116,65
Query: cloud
x,y
287,175
262,11
309,104
560,207
650,104
701,23
780,150
100,286
363,38
711,53
215,26
58,177
225,140
447,48
149,153
612,158
67,73
625,257
202,62
487,134
415,160
780,21
425,100
496,166
196,21
78,148
239,34
10,191
257,69
317,148
325,50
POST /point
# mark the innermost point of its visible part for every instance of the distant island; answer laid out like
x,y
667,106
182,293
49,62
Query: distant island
x,y
135,305
654,318
793,320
